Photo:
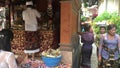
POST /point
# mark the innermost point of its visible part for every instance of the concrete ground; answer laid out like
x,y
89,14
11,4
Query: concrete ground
x,y
94,59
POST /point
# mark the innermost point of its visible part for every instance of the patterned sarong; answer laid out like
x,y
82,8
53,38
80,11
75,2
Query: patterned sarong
x,y
31,40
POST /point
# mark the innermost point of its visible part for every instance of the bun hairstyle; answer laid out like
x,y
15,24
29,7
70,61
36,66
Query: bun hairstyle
x,y
87,27
110,26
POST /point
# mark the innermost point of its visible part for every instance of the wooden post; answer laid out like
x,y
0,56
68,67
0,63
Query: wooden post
x,y
68,26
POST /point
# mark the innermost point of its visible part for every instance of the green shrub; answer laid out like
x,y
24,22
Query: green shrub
x,y
110,18
104,16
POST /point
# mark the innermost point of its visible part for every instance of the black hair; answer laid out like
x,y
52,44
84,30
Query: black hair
x,y
2,46
102,27
87,27
110,26
31,6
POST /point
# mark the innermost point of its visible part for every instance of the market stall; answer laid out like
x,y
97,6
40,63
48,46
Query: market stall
x,y
47,38
48,26
47,29
50,58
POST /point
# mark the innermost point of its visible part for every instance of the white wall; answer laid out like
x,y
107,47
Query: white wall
x,y
102,7
109,5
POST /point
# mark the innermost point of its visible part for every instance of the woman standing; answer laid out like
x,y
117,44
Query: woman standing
x,y
87,38
109,48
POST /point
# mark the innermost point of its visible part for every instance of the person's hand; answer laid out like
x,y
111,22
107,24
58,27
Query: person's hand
x,y
79,33
99,58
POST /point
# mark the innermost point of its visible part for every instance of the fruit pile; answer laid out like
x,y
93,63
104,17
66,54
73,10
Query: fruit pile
x,y
51,53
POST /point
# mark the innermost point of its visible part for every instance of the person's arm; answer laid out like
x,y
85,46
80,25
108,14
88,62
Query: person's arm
x,y
79,33
82,38
93,39
23,16
119,43
100,48
38,15
11,61
11,35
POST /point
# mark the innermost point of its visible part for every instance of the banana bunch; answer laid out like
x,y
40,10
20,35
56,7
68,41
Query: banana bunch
x,y
51,53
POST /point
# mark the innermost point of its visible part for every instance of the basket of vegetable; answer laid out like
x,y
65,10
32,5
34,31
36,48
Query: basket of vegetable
x,y
51,57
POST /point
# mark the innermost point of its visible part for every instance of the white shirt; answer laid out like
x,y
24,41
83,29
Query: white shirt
x,y
7,60
30,17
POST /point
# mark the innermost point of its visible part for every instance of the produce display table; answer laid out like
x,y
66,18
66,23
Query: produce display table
x,y
47,38
17,45
31,52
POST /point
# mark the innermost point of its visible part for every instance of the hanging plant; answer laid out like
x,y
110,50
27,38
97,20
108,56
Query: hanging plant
x,y
83,18
85,4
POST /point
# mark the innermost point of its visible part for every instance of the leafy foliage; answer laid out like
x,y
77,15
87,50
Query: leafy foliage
x,y
110,18
83,18
115,19
104,16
